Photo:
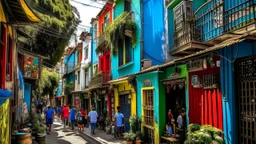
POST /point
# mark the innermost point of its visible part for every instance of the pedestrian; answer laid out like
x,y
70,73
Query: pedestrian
x,y
49,116
73,117
59,111
93,119
119,122
182,125
65,114
81,119
101,121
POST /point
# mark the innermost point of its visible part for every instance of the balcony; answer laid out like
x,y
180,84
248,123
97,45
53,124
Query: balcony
x,y
101,78
101,39
213,24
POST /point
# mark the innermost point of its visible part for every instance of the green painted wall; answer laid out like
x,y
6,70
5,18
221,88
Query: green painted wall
x,y
162,106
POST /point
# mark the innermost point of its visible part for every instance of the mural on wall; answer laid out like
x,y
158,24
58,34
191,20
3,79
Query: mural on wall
x,y
4,122
31,67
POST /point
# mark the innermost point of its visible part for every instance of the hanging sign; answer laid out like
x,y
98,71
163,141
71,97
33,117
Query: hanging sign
x,y
147,83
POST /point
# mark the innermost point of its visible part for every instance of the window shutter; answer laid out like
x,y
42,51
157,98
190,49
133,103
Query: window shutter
x,y
127,5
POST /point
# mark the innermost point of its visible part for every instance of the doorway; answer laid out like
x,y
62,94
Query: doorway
x,y
246,96
125,108
175,98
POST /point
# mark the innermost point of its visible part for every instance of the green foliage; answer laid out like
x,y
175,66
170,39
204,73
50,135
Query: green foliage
x,y
69,88
115,33
51,36
205,134
130,136
32,67
48,83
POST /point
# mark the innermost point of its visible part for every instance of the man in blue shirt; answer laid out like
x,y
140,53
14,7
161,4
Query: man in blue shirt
x,y
93,115
119,119
73,117
49,116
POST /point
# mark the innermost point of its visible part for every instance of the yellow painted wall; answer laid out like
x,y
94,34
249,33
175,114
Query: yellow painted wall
x,y
123,87
4,122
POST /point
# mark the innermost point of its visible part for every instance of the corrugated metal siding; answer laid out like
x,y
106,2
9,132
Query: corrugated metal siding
x,y
205,104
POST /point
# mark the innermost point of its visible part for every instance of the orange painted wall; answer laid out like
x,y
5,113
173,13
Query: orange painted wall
x,y
107,8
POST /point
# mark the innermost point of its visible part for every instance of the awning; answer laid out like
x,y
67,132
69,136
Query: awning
x,y
21,80
19,13
5,94
31,54
120,80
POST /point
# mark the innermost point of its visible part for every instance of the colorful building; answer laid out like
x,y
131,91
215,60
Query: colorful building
x,y
8,59
98,86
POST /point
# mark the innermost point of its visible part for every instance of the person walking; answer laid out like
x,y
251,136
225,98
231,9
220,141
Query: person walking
x,y
49,116
73,117
119,122
81,119
59,111
182,125
93,115
65,114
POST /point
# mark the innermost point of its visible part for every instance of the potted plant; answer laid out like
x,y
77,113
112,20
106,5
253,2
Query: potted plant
x,y
129,137
139,137
135,123
204,134
130,27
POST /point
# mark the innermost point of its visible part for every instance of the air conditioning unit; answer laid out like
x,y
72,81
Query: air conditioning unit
x,y
146,63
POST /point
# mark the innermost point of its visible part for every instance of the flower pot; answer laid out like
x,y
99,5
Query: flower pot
x,y
138,141
128,142
34,73
41,138
21,138
128,33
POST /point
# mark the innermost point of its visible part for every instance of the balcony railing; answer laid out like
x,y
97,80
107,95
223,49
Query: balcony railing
x,y
101,39
188,33
101,78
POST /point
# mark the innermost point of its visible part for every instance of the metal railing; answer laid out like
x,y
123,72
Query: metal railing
x,y
102,78
101,39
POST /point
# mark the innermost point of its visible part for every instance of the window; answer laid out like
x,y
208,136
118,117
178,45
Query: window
x,y
125,53
148,114
86,78
106,20
86,53
78,73
127,5
95,69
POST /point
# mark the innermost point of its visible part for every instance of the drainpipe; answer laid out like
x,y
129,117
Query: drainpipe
x,y
141,33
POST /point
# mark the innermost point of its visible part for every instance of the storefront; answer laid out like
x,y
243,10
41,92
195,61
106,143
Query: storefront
x,y
205,98
175,81
151,105
125,98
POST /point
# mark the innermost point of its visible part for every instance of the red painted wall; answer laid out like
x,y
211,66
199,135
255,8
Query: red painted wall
x,y
205,105
3,57
104,62
108,8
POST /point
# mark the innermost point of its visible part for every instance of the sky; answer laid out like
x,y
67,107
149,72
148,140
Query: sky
x,y
86,13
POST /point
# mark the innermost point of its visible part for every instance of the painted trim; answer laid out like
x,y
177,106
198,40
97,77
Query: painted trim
x,y
126,65
147,88
30,14
120,82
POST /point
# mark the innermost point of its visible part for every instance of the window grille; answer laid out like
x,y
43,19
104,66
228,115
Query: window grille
x,y
148,107
128,49
127,5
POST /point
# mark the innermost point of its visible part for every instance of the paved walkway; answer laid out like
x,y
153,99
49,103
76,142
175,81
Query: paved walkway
x,y
59,135
102,137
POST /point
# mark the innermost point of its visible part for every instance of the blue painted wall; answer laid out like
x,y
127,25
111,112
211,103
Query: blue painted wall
x,y
230,104
27,95
154,31
134,66
94,56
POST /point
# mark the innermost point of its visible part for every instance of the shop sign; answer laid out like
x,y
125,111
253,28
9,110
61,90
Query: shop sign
x,y
147,83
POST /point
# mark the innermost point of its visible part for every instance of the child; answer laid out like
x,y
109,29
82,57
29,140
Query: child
x,y
169,128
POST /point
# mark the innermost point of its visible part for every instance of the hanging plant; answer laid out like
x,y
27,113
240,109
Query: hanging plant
x,y
121,27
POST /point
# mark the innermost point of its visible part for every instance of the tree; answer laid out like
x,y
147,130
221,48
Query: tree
x,y
51,37
48,83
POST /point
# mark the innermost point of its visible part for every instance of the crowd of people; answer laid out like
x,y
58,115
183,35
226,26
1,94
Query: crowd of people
x,y
71,116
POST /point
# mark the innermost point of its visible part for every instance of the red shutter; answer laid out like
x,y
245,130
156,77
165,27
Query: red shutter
x,y
80,56
3,57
